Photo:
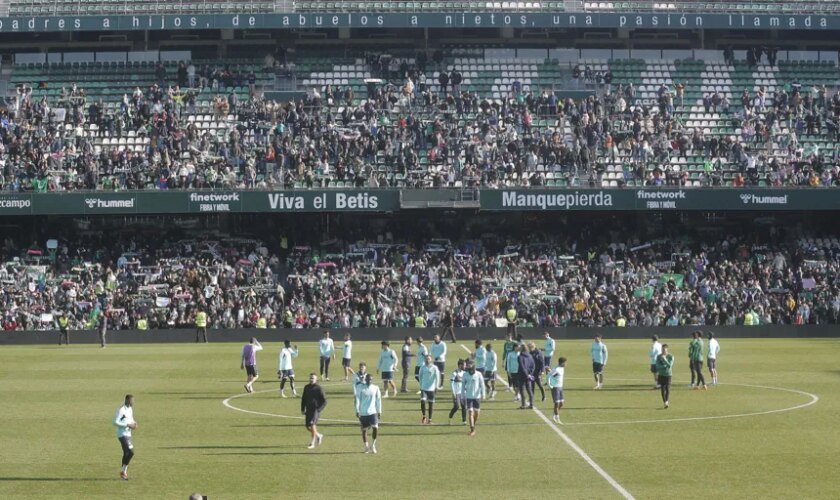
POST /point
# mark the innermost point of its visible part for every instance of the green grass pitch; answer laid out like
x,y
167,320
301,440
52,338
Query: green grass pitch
x,y
57,440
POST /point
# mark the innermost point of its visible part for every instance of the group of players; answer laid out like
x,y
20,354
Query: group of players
x,y
472,380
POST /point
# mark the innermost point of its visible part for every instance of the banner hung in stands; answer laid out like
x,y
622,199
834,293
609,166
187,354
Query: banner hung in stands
x,y
388,200
195,202
659,199
628,20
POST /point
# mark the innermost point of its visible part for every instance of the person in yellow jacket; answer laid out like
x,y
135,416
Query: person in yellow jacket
x,y
262,323
621,322
142,324
64,333
420,321
201,325
510,314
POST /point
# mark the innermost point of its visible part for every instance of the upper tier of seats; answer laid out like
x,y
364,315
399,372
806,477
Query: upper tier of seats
x,y
122,7
509,98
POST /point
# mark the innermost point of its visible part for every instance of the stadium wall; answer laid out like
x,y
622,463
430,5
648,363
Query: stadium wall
x,y
466,335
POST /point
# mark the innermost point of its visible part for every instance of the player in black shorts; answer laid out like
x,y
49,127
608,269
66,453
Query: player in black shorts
x,y
312,403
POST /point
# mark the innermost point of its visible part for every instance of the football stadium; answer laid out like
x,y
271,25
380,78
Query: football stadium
x,y
363,249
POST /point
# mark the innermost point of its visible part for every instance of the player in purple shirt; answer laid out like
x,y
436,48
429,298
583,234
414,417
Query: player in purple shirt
x,y
249,362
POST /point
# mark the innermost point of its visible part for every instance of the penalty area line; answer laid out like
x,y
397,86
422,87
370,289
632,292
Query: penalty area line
x,y
577,449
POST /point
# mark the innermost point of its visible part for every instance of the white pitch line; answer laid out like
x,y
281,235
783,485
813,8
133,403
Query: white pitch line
x,y
226,402
620,489
813,401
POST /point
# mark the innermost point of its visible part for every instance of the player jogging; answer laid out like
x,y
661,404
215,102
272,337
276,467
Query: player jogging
x,y
473,391
664,369
714,349
456,381
429,382
695,355
249,363
387,366
312,404
655,351
327,349
406,363
124,420
369,410
490,369
555,382
346,356
285,370
548,352
599,361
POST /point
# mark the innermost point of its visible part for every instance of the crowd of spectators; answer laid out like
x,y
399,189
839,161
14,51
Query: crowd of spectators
x,y
550,281
408,131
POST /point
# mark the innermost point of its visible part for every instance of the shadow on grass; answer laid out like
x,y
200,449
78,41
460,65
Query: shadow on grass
x,y
190,393
51,479
290,453
223,447
607,408
391,425
644,387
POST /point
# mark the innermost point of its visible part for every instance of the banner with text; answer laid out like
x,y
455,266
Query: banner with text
x,y
660,199
362,20
189,202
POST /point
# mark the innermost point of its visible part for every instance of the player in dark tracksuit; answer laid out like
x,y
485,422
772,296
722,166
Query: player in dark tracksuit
x,y
312,403
539,367
526,379
407,357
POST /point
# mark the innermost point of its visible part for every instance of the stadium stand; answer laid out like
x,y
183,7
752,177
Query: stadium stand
x,y
141,124
586,278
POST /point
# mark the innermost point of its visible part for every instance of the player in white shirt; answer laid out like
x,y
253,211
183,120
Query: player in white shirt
x,y
655,351
346,356
456,381
327,349
711,358
124,420
285,369
555,382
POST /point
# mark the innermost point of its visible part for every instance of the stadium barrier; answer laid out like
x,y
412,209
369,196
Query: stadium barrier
x,y
391,200
464,335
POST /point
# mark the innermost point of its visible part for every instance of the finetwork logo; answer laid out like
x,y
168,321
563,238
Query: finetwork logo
x,y
212,197
100,203
751,199
660,195
17,203
567,200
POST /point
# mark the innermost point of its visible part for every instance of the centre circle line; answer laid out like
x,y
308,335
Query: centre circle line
x,y
813,400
